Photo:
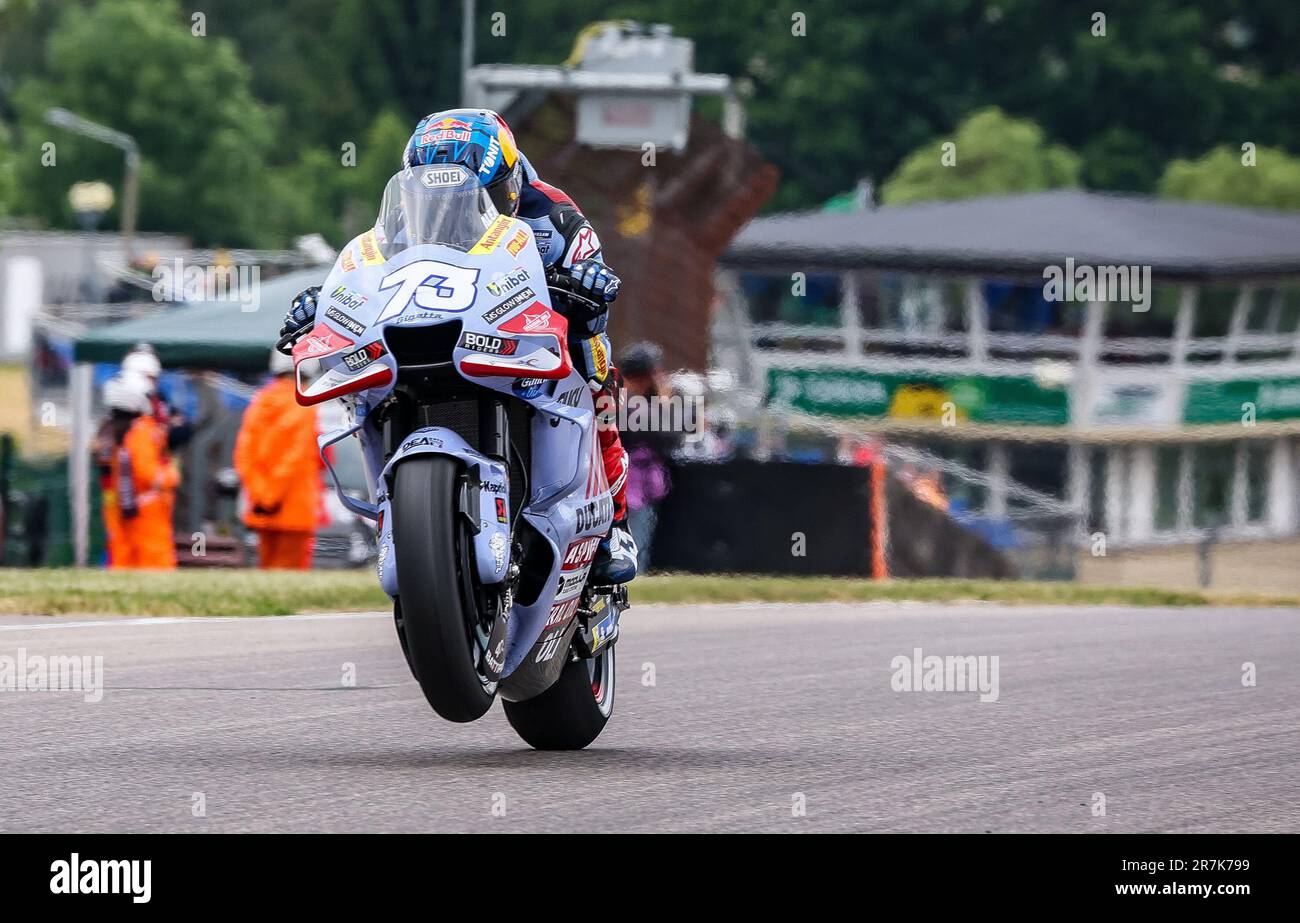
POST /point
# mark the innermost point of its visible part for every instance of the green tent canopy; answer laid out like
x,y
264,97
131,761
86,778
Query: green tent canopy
x,y
204,334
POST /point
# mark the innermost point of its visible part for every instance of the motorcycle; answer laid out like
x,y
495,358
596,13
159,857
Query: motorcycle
x,y
438,331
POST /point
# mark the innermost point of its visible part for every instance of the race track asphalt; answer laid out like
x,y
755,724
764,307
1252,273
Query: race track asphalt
x,y
727,718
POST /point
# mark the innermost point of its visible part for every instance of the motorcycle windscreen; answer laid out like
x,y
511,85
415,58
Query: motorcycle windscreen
x,y
440,204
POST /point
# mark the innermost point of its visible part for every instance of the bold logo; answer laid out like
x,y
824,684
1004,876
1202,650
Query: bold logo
x,y
521,297
364,356
347,323
485,343
581,553
518,242
502,514
505,282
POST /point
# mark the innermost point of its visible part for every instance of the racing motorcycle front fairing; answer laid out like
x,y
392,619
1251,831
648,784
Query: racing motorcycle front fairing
x,y
478,310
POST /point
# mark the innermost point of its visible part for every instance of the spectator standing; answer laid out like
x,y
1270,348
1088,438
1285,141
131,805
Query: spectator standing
x,y
278,462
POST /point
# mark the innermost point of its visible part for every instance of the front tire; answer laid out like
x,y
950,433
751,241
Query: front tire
x,y
435,588
573,712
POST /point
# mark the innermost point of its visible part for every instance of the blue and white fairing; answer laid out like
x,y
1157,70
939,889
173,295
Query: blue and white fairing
x,y
511,341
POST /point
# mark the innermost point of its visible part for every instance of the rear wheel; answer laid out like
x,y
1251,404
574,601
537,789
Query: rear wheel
x,y
573,712
438,612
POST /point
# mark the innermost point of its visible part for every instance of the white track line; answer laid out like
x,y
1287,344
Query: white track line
x,y
190,619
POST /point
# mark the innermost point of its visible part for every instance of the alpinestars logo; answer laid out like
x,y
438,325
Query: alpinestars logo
x,y
484,343
585,245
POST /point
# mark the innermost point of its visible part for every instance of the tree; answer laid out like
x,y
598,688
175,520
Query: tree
x,y
1226,176
989,154
1119,159
135,66
336,193
846,92
6,173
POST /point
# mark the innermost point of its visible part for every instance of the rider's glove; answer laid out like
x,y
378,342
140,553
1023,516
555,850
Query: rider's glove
x,y
595,281
302,314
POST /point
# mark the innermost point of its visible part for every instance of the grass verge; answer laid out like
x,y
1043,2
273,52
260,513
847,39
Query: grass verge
x,y
250,592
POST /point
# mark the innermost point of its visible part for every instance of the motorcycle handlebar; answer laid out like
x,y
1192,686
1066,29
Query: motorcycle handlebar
x,y
286,343
568,287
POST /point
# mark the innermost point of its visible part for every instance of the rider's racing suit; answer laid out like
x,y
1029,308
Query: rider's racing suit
x,y
565,237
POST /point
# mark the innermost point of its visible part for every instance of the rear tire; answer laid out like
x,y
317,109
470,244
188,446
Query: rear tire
x,y
573,712
433,573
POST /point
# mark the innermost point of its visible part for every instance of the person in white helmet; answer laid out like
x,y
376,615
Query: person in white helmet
x,y
137,476
143,361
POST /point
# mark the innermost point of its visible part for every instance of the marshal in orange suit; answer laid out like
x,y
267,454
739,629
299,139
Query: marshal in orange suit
x,y
279,465
139,478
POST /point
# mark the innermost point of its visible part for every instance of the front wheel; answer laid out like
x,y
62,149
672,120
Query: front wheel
x,y
439,617
573,712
